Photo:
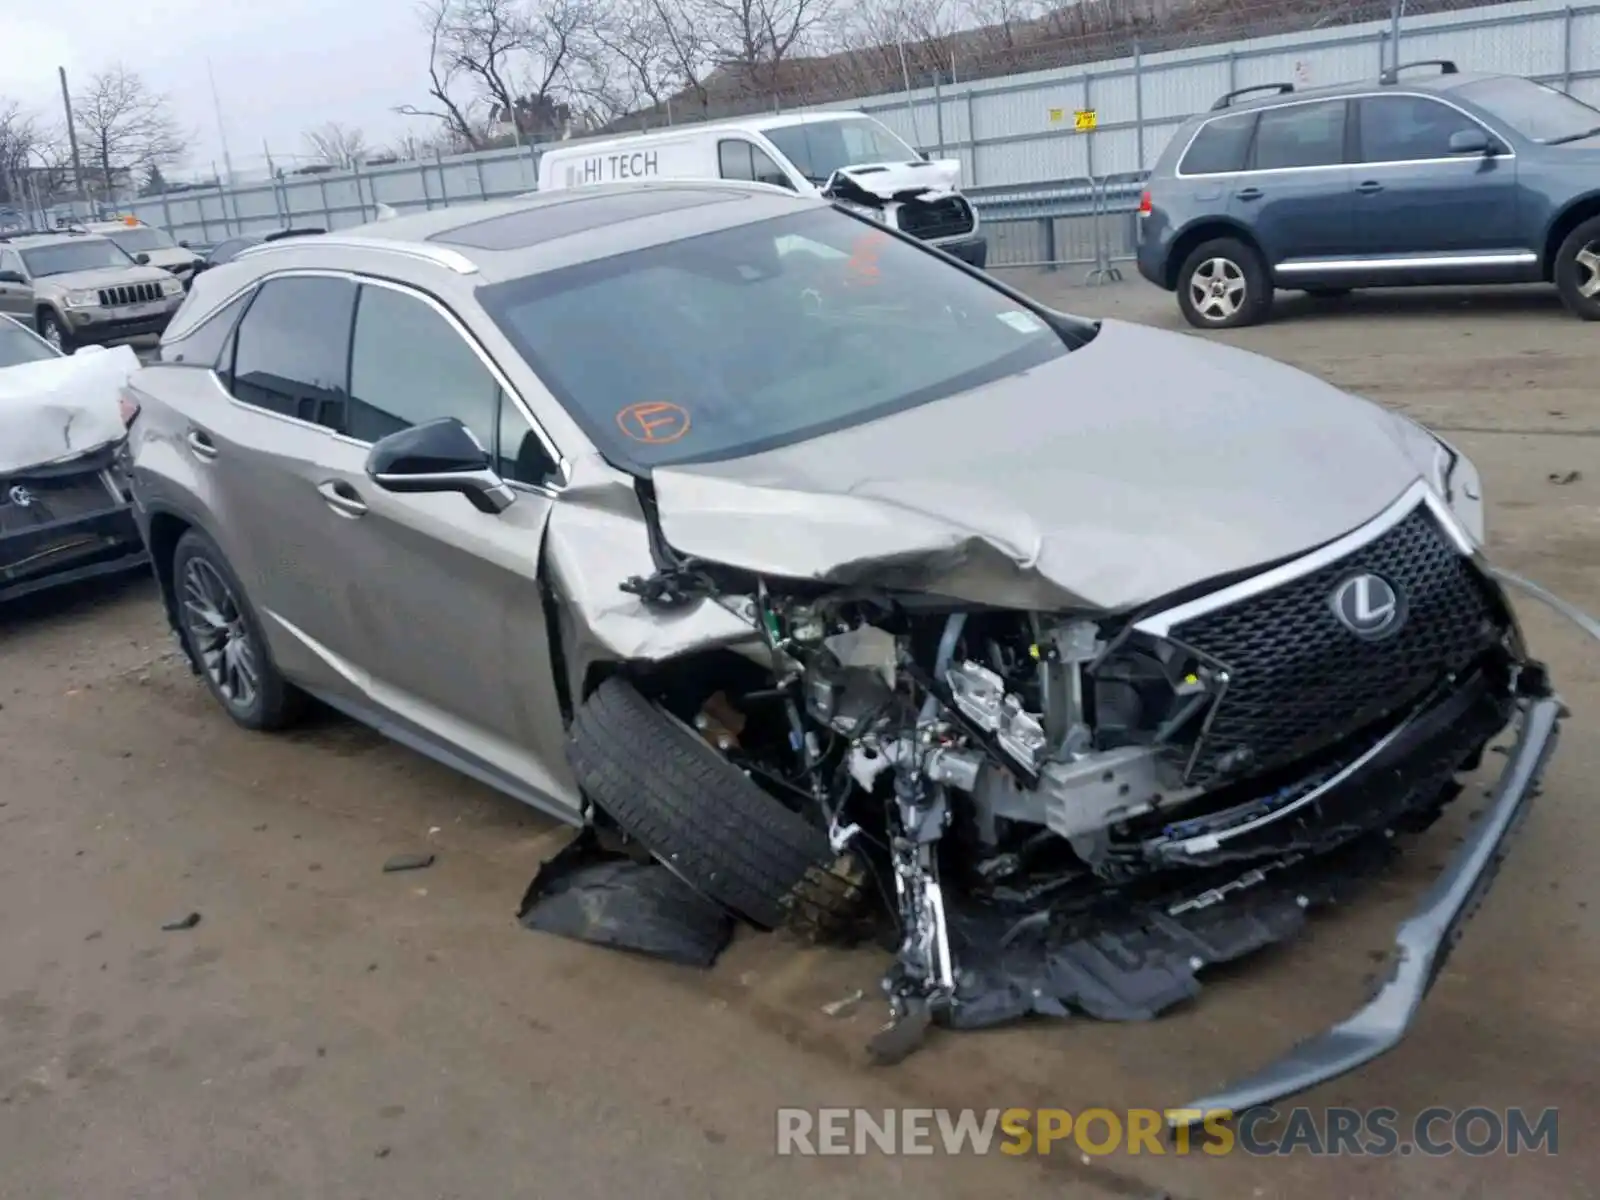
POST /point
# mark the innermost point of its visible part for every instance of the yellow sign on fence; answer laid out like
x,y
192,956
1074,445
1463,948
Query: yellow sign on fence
x,y
1057,115
1085,119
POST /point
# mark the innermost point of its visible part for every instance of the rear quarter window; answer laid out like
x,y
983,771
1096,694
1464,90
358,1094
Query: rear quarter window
x,y
1220,146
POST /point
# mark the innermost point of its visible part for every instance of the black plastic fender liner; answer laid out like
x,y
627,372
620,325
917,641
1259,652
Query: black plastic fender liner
x,y
1422,942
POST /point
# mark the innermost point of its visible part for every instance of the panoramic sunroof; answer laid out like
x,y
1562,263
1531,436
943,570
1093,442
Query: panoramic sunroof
x,y
551,221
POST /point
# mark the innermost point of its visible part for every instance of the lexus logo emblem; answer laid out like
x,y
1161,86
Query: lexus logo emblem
x,y
1368,606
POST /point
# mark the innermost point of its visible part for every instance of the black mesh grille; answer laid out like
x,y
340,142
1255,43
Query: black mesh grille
x,y
950,217
1298,679
28,502
131,293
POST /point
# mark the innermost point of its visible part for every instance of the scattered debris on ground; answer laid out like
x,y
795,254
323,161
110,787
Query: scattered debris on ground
x,y
408,862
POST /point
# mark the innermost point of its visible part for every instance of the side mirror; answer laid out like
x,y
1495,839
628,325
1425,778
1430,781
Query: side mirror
x,y
439,456
142,259
11,277
1470,141
184,242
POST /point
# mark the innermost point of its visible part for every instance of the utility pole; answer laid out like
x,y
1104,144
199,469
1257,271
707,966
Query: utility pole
x,y
222,132
72,137
1394,32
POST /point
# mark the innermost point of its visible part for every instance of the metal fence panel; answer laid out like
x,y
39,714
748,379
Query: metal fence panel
x,y
1015,131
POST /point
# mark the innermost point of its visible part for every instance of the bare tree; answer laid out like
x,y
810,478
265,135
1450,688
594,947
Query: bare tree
x,y
754,38
124,128
443,71
337,145
632,65
27,152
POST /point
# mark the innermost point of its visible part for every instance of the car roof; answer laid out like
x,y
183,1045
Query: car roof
x,y
757,123
26,241
1439,84
510,239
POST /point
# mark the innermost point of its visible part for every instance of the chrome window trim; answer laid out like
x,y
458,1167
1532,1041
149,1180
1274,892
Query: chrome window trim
x,y
563,464
1179,173
440,256
1421,492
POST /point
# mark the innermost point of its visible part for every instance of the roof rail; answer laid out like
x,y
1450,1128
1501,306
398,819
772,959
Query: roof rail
x,y
441,256
1392,75
283,233
1282,89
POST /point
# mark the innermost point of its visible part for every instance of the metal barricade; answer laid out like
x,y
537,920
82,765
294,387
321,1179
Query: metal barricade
x,y
1044,225
1114,195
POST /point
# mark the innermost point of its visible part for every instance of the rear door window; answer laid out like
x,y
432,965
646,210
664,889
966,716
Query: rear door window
x,y
207,344
1220,147
1406,128
1300,135
292,353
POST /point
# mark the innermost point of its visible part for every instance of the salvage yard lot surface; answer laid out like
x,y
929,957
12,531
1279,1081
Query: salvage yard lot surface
x,y
331,1031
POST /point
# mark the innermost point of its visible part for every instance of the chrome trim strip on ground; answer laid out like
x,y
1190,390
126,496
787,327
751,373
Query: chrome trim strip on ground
x,y
1160,624
1570,611
1421,944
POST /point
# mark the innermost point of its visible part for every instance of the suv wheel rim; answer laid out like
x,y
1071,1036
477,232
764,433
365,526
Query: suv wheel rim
x,y
1588,261
217,630
1217,289
52,334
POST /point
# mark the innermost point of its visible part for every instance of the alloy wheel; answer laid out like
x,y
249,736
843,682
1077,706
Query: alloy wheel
x,y
1588,263
1217,289
52,334
219,634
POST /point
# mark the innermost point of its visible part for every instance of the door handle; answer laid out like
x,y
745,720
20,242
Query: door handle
x,y
342,498
1368,187
201,444
1249,193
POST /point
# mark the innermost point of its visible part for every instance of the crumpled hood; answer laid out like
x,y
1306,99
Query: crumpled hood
x,y
886,180
62,407
1137,465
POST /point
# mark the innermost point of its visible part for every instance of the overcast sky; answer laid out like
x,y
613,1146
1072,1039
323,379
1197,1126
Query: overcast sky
x,y
282,66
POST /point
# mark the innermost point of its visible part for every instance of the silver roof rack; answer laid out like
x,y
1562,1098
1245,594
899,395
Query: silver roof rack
x,y
442,256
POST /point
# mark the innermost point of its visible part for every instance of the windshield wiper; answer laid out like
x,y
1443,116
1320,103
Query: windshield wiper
x,y
1574,137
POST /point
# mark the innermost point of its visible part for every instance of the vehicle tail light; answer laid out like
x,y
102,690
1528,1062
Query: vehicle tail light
x,y
1145,206
128,404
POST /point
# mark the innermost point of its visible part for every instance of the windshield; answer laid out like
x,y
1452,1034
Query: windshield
x,y
1537,112
137,239
18,346
80,254
761,335
819,148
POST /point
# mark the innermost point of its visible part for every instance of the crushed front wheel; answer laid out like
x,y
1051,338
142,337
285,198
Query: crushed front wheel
x,y
703,819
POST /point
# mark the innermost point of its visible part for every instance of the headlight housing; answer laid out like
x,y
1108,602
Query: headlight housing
x,y
84,298
172,287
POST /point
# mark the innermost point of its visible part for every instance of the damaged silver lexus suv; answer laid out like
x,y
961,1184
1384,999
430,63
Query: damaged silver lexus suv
x,y
770,543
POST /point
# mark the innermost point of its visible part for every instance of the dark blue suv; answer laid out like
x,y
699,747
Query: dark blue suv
x,y
1443,178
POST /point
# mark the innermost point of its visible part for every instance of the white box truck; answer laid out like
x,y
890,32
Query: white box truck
x,y
846,156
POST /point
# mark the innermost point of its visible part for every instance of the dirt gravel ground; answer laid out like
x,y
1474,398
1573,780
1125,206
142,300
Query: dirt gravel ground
x,y
331,1031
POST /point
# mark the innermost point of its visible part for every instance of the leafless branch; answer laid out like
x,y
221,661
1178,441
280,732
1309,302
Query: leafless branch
x,y
337,145
125,129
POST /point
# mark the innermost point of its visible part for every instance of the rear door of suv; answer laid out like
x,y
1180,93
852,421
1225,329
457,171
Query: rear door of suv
x,y
1413,197
1295,193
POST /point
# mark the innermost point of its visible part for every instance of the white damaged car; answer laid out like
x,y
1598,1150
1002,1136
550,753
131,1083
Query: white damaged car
x,y
65,513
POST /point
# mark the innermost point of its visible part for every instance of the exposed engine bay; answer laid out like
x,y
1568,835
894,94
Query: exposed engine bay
x,y
1035,767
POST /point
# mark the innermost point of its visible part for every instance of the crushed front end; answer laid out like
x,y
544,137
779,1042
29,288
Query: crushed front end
x,y
1080,812
66,521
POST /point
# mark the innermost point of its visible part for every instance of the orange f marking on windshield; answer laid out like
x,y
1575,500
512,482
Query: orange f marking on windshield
x,y
655,423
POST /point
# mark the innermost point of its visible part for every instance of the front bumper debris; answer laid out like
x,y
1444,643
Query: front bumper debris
x,y
974,251
1422,943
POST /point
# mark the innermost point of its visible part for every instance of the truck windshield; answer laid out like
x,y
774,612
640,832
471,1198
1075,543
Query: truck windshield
x,y
80,254
761,335
819,148
137,239
1538,113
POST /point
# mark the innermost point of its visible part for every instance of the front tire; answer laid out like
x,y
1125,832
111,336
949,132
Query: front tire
x,y
54,331
1224,284
701,817
1577,270
223,638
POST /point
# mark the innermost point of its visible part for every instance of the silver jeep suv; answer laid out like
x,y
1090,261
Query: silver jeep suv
x,y
78,289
